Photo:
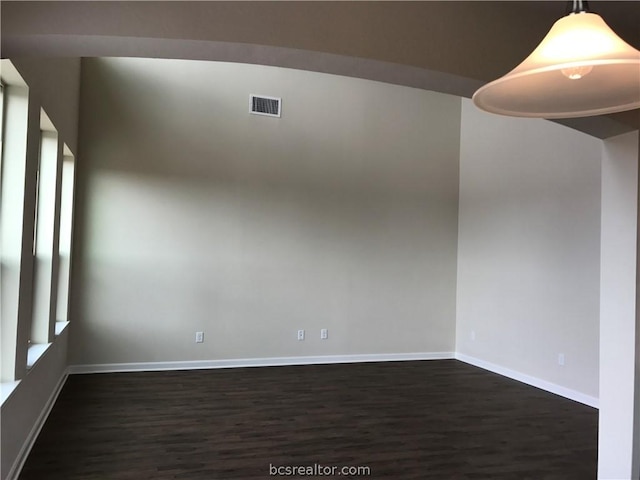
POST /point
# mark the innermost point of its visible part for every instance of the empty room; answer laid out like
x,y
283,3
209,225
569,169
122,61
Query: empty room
x,y
247,240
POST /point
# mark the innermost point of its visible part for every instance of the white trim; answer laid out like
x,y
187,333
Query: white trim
x,y
529,380
16,468
6,389
255,362
9,74
35,353
60,327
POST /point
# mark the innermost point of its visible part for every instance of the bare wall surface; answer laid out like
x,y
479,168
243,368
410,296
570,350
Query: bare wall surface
x,y
529,248
56,82
196,216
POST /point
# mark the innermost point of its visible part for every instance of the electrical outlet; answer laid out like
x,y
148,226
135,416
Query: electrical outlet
x,y
199,337
300,334
324,334
561,359
473,335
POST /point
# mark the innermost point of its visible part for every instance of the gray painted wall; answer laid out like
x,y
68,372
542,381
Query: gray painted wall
x,y
54,83
196,216
529,248
343,215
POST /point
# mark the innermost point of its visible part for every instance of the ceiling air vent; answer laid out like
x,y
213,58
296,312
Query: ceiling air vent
x,y
261,105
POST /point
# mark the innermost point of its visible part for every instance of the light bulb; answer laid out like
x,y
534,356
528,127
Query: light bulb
x,y
576,73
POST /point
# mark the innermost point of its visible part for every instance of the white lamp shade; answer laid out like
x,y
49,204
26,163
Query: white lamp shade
x,y
581,68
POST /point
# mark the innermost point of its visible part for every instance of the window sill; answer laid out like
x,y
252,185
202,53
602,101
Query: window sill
x,y
6,389
60,327
35,352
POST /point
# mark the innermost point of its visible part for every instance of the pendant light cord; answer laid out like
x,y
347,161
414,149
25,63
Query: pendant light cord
x,y
577,6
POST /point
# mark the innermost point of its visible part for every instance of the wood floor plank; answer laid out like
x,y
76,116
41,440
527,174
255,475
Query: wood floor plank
x,y
404,420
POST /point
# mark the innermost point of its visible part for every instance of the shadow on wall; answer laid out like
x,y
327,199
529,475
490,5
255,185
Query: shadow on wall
x,y
198,216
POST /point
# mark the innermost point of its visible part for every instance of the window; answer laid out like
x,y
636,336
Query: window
x,y
44,298
15,99
64,246
2,90
36,190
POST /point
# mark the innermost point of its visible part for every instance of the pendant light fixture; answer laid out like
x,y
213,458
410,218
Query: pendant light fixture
x,y
581,68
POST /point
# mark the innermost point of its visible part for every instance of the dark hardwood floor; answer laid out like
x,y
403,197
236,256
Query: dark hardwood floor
x,y
403,420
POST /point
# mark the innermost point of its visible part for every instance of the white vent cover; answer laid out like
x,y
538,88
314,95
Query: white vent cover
x,y
261,105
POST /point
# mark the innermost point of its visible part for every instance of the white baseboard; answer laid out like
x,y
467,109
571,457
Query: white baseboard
x,y
529,380
329,359
35,430
255,362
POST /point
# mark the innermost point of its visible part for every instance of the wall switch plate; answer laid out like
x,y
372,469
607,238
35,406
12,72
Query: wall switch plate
x,y
199,337
473,335
324,334
300,334
561,359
